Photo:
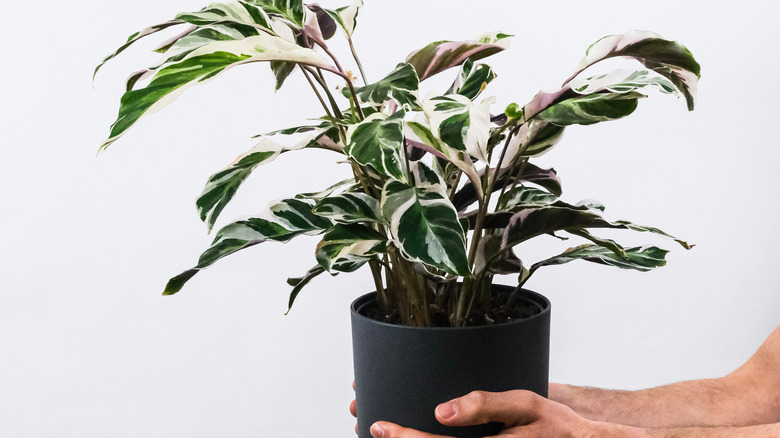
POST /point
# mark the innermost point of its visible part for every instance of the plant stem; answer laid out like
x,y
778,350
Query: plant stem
x,y
381,293
357,61
345,76
319,96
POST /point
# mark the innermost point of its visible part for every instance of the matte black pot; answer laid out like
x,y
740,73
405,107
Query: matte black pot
x,y
402,373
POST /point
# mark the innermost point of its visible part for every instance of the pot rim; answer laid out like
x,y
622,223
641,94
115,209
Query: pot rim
x,y
529,296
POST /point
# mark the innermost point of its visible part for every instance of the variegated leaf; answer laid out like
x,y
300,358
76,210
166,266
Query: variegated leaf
x,y
334,190
235,11
472,79
422,137
529,172
600,241
346,17
135,37
423,222
401,84
442,55
181,45
641,228
325,23
326,138
531,222
349,208
203,64
233,238
590,109
460,123
533,138
222,186
668,58
490,259
291,10
300,282
523,196
346,248
637,258
177,48
378,141
602,97
298,214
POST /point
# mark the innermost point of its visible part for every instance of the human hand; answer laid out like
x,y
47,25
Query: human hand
x,y
353,407
523,413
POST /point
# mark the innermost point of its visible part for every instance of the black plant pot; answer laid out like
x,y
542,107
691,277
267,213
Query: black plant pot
x,y
402,373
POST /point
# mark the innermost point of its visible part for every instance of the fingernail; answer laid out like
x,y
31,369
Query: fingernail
x,y
377,431
447,410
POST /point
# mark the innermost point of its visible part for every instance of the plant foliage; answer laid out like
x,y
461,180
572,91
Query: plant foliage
x,y
441,190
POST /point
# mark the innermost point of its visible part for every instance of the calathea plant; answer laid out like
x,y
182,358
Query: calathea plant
x,y
440,189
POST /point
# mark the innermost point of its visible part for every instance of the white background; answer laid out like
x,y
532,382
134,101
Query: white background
x,y
89,348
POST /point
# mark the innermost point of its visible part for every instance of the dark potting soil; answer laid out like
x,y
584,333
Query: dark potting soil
x,y
498,314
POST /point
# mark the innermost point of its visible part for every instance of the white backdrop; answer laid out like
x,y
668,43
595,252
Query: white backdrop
x,y
89,348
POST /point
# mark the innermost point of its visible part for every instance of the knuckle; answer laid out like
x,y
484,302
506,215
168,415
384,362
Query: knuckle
x,y
476,399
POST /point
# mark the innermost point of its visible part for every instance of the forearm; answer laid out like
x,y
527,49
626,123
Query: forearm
x,y
710,402
759,431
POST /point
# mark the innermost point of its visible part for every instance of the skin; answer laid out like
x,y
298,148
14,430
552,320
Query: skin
x,y
742,404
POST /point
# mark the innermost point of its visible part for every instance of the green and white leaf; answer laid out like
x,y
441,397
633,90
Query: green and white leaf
x,y
590,109
335,189
290,10
196,37
641,228
442,55
622,81
460,123
490,259
534,138
668,58
378,141
401,84
350,207
235,237
420,135
472,79
637,258
527,223
235,11
299,283
423,223
597,98
298,215
222,186
524,197
203,64
529,172
135,37
346,248
346,17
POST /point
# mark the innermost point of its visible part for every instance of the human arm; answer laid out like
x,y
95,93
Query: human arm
x,y
748,396
527,415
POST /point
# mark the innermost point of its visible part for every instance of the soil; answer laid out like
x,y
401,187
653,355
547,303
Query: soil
x,y
498,314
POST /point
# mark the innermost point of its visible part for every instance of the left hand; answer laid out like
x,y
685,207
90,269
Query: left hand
x,y
523,413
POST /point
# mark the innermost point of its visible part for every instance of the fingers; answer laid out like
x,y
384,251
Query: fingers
x,y
383,429
479,407
353,407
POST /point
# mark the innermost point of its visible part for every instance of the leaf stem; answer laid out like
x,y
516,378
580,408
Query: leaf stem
x,y
357,61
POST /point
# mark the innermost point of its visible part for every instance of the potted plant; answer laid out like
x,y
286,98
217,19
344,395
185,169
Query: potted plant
x,y
439,187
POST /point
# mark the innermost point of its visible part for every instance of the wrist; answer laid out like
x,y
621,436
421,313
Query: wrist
x,y
582,400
